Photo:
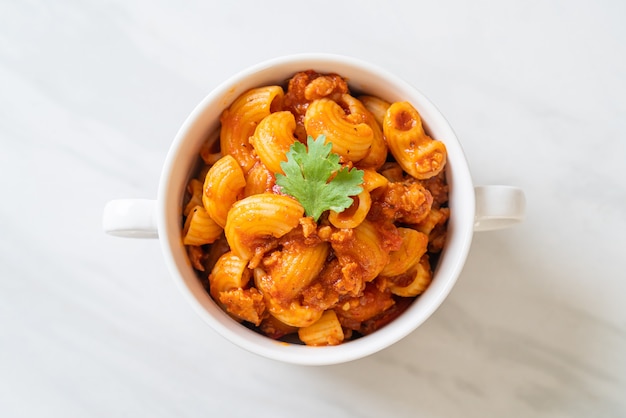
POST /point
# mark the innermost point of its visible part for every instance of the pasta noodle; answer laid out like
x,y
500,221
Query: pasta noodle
x,y
294,267
200,228
377,154
350,136
420,278
325,331
228,286
362,252
414,245
354,215
418,154
273,137
291,276
377,106
290,312
256,218
230,272
195,190
259,180
222,185
240,120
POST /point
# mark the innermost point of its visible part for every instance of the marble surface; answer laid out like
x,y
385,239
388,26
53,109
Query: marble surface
x,y
91,95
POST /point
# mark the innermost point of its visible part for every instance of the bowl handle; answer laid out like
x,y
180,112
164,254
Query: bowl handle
x,y
130,218
498,207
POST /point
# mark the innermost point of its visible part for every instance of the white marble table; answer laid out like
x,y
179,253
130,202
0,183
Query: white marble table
x,y
91,95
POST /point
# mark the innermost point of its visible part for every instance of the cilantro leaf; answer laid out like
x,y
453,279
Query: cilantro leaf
x,y
314,176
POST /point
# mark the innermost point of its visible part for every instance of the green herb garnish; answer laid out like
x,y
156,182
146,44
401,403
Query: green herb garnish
x,y
316,179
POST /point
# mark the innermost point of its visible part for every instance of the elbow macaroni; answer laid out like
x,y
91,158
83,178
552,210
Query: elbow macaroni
x,y
346,275
417,153
200,228
222,185
240,120
355,214
272,138
230,272
351,137
258,217
414,246
325,331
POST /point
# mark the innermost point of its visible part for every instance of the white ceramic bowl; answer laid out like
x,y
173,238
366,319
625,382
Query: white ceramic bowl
x,y
146,218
